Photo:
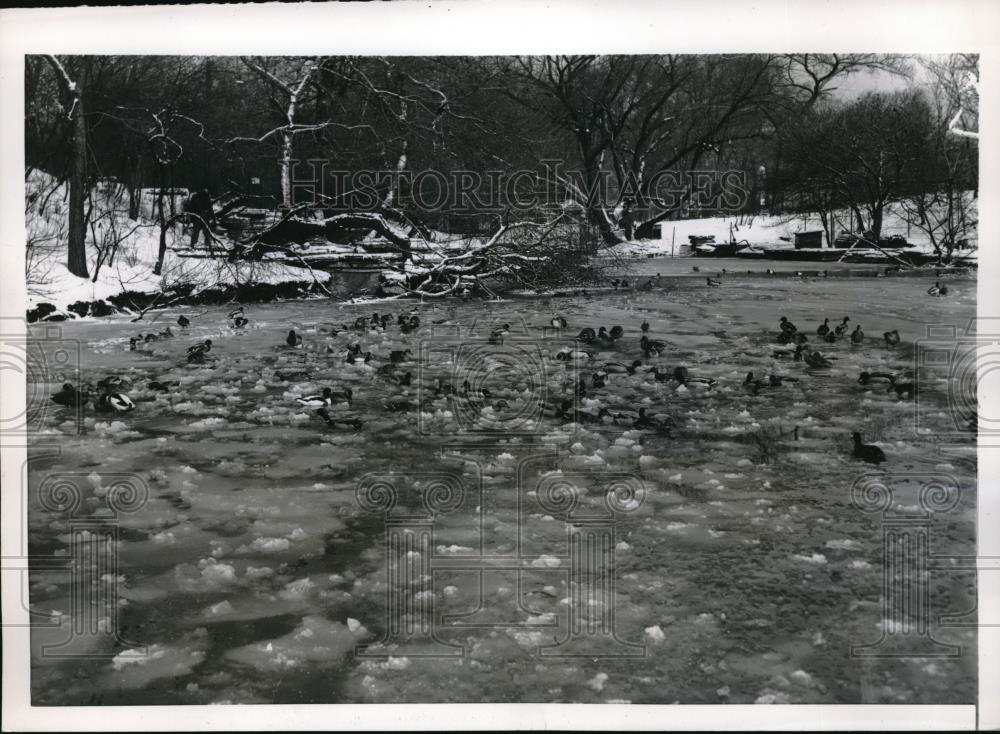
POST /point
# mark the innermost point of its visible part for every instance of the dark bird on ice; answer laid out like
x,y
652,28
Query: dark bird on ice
x,y
867,452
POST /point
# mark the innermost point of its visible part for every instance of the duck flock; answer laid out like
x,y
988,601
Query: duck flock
x,y
637,356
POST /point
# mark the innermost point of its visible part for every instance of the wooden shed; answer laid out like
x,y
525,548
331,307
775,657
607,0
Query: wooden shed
x,y
810,240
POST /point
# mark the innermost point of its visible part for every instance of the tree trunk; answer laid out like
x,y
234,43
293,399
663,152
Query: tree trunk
x,y
77,250
286,171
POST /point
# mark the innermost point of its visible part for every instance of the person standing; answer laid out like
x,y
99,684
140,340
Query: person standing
x,y
200,204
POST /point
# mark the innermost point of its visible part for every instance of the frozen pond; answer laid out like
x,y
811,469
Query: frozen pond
x,y
252,572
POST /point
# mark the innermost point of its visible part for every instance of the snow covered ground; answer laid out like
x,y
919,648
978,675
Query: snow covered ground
x,y
252,572
763,230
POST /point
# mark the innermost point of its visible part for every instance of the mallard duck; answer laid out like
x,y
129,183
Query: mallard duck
x,y
866,378
616,333
659,376
581,388
891,338
497,335
183,321
867,452
599,380
385,320
824,328
934,290
841,328
646,422
558,322
114,402
682,376
830,337
400,406
396,356
358,357
293,339
114,382
779,380
238,311
376,320
786,326
68,396
411,324
403,380
443,388
712,283
587,336
905,390
943,290
164,386
239,322
582,416
348,423
133,342
652,347
753,384
816,360
467,390
196,353
619,368
573,355
644,327
857,336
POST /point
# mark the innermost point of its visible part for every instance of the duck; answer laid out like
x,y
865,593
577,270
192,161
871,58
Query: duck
x,y
604,339
443,388
115,402
358,357
316,401
293,339
647,286
573,355
599,380
644,327
351,423
867,452
403,380
891,338
824,328
467,390
354,348
619,368
647,422
857,336
904,390
385,320
830,337
68,396
866,378
779,380
497,335
360,324
133,342
581,388
712,283
652,346
587,336
236,313
163,386
660,376
196,353
582,416
841,328
239,322
943,290
682,376
817,360
934,290
561,411
114,382
376,320
411,324
786,326
400,406
183,321
558,322
696,269
396,356
753,384
616,333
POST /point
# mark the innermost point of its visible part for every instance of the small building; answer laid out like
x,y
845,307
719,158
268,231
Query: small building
x,y
809,240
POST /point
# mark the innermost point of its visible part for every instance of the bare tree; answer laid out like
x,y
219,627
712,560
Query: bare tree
x,y
72,102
